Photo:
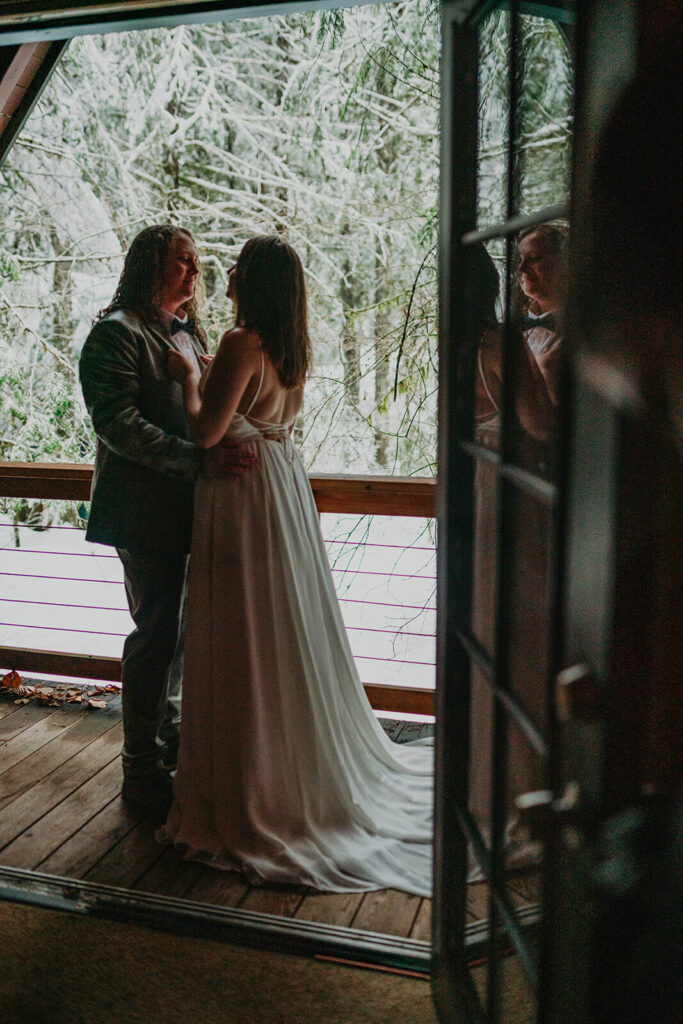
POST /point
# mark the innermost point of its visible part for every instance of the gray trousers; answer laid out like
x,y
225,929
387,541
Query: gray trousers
x,y
152,663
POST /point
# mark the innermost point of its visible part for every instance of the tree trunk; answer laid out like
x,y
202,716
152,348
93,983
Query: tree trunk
x,y
62,322
386,156
382,348
350,294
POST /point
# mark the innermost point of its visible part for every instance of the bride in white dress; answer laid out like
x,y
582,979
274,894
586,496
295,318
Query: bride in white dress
x,y
284,772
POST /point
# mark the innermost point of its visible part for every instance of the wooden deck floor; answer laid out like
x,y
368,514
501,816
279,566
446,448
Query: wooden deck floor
x,y
61,814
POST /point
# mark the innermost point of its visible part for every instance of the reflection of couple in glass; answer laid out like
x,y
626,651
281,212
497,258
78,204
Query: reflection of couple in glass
x,y
283,770
535,342
536,338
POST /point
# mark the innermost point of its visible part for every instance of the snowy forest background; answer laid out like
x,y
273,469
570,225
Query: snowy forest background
x,y
321,126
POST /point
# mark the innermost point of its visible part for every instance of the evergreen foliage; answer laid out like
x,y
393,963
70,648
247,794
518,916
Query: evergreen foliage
x,y
320,126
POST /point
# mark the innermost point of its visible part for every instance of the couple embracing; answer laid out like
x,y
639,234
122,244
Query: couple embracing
x,y
283,771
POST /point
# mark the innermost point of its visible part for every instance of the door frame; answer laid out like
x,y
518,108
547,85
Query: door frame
x,y
57,22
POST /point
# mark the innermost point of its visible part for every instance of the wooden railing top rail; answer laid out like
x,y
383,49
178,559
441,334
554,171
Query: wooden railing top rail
x,y
345,493
353,495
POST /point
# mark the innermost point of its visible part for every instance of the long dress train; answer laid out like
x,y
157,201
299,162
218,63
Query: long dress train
x,y
284,772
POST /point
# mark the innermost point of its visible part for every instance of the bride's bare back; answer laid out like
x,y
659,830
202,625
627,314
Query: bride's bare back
x,y
240,372
274,402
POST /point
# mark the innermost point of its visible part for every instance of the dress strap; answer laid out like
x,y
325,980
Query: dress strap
x,y
258,389
480,364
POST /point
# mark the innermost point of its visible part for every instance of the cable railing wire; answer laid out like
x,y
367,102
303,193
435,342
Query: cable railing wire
x,y
396,632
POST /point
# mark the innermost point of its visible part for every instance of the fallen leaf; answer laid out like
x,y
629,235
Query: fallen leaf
x,y
22,700
12,680
55,704
98,703
76,699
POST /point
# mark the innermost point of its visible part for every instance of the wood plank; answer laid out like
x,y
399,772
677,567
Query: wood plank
x,y
329,907
221,888
170,874
45,731
18,75
6,708
60,480
24,810
388,911
524,886
379,495
422,928
477,901
384,495
392,727
283,900
58,663
126,862
89,844
403,700
44,761
59,824
411,731
23,717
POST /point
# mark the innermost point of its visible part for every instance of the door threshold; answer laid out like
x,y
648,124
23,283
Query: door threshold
x,y
226,924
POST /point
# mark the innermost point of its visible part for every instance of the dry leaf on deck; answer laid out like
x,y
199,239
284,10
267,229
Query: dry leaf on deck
x,y
98,703
22,700
12,680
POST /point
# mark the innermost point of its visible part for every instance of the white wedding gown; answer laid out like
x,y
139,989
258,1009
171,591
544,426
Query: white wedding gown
x,y
284,772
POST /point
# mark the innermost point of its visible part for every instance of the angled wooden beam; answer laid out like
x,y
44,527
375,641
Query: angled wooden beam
x,y
24,72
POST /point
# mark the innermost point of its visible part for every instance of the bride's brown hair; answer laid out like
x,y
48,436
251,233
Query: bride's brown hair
x,y
270,293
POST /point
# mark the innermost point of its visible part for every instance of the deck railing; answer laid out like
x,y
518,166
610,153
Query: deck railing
x,y
345,495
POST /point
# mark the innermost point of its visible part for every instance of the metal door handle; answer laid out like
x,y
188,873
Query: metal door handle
x,y
577,694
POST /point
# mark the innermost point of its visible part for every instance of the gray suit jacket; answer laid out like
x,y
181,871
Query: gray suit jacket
x,y
145,466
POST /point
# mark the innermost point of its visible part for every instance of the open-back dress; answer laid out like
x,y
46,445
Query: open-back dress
x,y
284,772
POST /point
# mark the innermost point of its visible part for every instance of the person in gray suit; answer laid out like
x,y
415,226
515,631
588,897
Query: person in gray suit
x,y
141,500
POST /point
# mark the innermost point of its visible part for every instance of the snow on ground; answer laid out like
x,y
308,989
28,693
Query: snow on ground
x,y
60,593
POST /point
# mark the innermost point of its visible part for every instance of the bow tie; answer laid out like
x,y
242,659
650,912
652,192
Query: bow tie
x,y
183,325
527,323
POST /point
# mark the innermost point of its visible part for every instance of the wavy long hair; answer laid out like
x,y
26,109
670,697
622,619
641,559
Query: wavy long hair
x,y
142,278
270,294
484,286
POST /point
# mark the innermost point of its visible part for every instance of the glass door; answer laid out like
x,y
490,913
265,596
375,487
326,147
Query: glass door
x,y
507,121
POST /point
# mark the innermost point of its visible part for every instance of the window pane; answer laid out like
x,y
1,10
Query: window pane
x,y
481,752
538,287
527,605
494,106
523,848
543,123
484,555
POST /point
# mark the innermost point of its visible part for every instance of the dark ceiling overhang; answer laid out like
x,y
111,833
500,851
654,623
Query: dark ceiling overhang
x,y
32,20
